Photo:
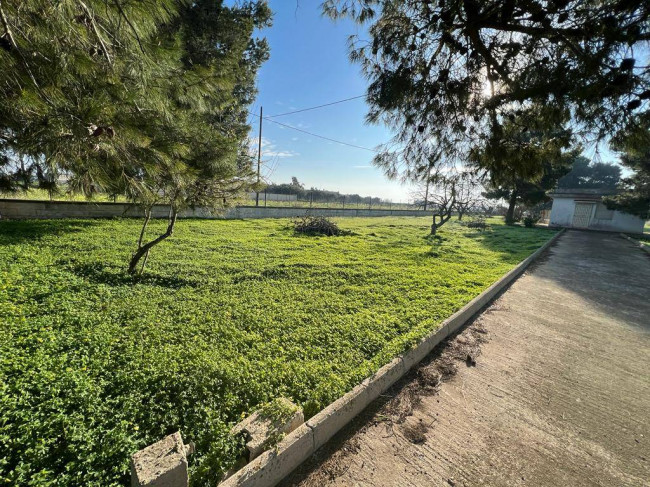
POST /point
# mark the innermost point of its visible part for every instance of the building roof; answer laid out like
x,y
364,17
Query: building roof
x,y
582,193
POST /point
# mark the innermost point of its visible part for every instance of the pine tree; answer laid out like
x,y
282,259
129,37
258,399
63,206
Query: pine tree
x,y
592,175
145,98
526,157
633,145
445,75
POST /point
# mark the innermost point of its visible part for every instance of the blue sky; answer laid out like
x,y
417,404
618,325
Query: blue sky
x,y
309,66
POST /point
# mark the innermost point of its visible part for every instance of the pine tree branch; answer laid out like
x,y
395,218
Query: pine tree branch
x,y
5,23
135,32
96,31
531,30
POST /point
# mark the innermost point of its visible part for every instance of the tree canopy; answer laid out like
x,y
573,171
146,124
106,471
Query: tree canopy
x,y
591,175
446,75
111,93
523,165
144,98
634,191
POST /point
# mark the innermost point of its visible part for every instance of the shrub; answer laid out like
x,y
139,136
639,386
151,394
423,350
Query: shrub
x,y
531,219
317,225
478,222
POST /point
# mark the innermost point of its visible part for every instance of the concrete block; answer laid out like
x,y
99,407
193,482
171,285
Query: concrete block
x,y
416,354
331,419
385,377
163,464
272,466
259,429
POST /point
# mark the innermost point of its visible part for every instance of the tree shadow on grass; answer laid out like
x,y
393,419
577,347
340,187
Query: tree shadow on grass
x,y
512,243
25,231
98,273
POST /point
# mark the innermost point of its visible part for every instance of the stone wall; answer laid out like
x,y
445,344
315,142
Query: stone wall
x,y
27,209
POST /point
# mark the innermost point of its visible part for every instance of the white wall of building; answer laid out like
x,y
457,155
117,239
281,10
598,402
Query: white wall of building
x,y
562,212
601,218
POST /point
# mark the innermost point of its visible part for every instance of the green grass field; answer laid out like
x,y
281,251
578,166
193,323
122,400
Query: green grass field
x,y
229,315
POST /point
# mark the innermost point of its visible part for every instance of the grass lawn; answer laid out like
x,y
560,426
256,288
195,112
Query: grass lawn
x,y
229,315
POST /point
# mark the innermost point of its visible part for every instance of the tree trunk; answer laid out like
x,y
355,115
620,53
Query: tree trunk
x,y
143,250
510,215
434,227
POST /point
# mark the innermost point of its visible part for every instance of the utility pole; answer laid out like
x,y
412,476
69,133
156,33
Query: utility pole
x,y
259,161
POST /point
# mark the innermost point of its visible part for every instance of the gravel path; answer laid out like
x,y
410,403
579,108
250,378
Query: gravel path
x,y
559,393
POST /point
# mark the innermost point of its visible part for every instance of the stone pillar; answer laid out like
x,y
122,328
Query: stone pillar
x,y
163,464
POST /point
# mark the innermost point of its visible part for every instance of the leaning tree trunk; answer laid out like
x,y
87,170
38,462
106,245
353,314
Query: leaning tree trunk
x,y
436,225
143,250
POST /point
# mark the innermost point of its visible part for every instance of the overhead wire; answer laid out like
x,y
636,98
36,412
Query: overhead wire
x,y
315,135
318,106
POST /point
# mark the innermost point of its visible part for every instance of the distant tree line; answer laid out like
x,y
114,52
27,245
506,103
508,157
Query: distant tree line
x,y
321,195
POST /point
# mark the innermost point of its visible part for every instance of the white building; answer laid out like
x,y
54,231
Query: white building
x,y
583,208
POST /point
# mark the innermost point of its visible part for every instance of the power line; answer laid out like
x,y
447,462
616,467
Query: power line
x,y
318,106
315,135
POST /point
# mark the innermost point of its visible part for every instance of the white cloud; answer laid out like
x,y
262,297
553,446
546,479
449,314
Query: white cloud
x,y
269,149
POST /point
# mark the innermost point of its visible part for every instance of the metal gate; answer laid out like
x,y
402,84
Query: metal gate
x,y
582,215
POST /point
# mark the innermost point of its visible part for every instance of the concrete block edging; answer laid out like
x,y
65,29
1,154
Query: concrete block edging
x,y
645,248
274,465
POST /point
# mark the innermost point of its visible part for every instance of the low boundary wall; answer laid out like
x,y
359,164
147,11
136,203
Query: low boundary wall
x,y
27,209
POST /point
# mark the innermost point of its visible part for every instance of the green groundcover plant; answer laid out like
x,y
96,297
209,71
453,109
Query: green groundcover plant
x,y
95,365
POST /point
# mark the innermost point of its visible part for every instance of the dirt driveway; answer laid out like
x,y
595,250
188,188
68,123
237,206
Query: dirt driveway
x,y
559,394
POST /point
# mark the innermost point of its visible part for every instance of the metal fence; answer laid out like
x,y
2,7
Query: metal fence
x,y
343,202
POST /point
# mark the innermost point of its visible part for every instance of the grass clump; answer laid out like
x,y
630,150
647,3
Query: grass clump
x,y
278,410
228,316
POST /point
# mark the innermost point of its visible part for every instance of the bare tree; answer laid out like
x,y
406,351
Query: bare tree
x,y
442,200
468,195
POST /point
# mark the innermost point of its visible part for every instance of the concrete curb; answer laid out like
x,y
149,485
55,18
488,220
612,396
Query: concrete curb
x,y
273,466
645,248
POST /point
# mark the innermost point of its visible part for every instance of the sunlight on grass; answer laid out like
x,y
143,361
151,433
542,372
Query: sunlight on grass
x,y
229,315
